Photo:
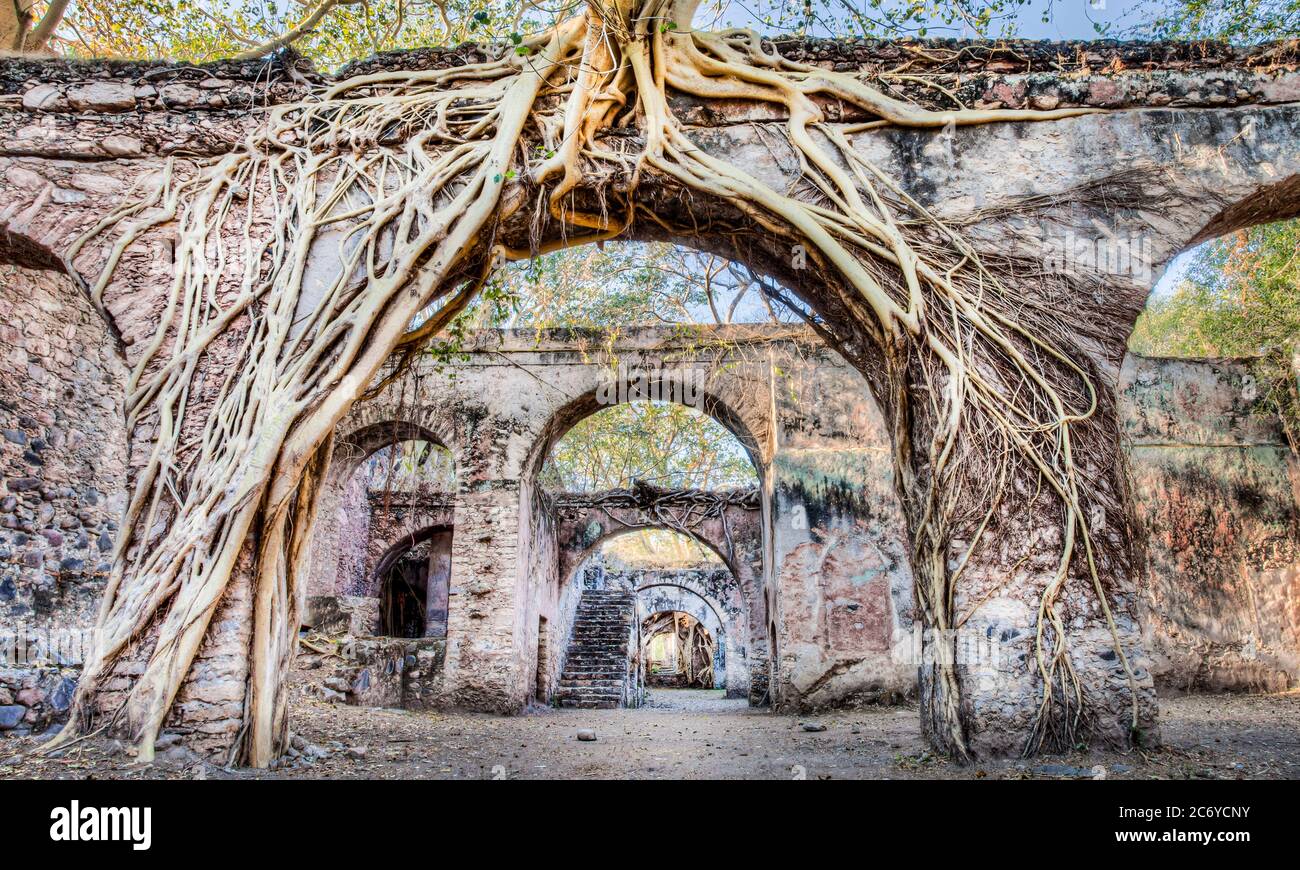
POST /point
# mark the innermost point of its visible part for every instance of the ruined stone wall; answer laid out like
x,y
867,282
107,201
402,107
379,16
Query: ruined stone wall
x,y
1217,491
347,526
63,466
548,596
841,602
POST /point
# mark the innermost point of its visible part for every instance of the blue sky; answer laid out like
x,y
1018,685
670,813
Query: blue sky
x,y
1070,19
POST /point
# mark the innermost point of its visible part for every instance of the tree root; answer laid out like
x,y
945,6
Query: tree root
x,y
402,175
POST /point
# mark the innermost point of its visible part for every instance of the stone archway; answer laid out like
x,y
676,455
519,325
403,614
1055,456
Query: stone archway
x,y
1171,174
683,592
731,592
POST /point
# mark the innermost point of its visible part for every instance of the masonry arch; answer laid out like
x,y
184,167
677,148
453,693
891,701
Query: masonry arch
x,y
722,591
682,649
359,526
689,385
1209,411
677,594
1093,146
413,579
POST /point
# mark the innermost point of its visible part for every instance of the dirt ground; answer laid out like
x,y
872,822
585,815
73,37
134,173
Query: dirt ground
x,y
698,734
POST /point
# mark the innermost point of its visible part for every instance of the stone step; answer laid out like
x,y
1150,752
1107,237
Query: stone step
x,y
595,668
574,683
590,705
591,692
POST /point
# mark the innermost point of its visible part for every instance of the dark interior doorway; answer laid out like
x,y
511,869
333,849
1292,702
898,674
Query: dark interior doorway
x,y
414,579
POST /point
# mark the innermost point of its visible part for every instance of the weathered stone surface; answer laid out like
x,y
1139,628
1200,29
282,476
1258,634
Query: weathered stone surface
x,y
1026,192
342,615
102,97
11,716
1213,477
843,619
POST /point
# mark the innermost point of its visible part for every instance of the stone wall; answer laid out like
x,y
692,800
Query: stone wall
x,y
826,579
1217,491
825,576
63,467
394,519
840,607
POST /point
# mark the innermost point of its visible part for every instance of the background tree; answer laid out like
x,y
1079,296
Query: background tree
x,y
1241,297
661,443
27,26
1238,21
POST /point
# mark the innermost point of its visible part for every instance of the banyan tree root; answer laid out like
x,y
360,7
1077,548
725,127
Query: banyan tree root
x,y
394,182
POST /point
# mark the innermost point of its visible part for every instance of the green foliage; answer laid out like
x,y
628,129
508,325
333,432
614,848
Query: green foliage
x,y
657,548
1237,21
888,18
1241,298
201,30
664,444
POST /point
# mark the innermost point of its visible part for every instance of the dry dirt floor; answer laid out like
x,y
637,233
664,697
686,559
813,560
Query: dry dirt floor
x,y
697,734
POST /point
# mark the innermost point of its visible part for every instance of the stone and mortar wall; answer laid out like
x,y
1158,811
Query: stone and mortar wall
x,y
1217,491
394,517
81,115
63,466
842,600
833,580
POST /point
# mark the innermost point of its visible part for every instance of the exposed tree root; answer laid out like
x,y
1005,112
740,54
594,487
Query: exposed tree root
x,y
303,257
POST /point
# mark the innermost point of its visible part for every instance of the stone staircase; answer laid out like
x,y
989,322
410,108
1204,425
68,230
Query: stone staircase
x,y
596,669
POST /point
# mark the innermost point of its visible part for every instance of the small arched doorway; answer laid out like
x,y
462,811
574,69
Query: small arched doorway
x,y
393,528
413,578
679,652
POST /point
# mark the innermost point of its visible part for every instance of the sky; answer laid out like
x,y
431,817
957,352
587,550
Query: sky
x,y
1069,19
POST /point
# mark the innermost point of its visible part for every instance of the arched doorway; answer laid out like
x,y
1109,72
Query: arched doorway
x,y
386,547
665,571
413,577
679,652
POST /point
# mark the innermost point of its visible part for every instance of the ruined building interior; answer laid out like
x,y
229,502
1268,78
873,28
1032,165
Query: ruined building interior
x,y
461,579
449,570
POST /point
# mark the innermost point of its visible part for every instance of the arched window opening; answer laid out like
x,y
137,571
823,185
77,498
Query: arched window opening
x,y
409,466
628,284
662,444
1214,367
395,531
623,561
